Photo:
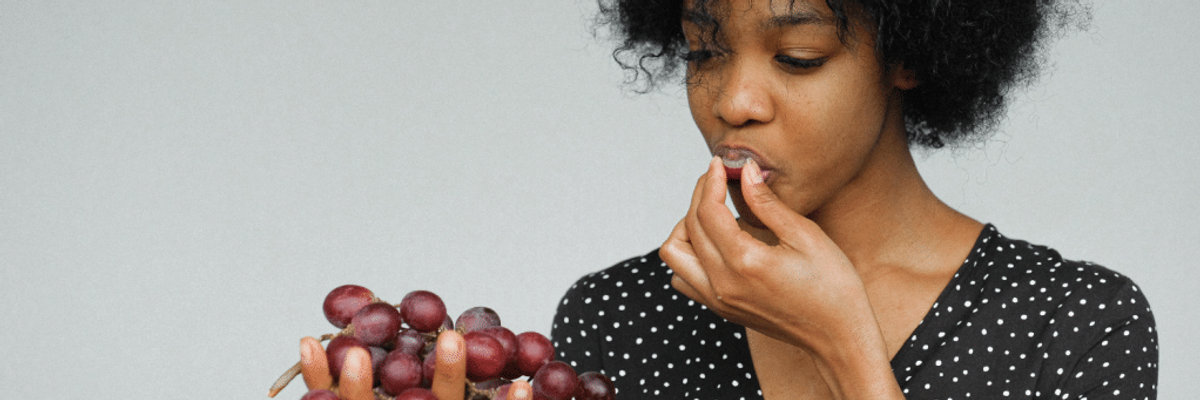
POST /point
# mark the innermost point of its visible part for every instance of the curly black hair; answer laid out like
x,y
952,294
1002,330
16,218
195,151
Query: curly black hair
x,y
966,54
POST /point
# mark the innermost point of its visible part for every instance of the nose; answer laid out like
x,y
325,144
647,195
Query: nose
x,y
744,96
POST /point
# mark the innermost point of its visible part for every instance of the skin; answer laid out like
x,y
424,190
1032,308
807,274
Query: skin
x,y
842,248
449,378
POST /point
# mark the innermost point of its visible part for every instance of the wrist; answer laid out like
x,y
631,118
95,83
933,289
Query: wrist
x,y
858,367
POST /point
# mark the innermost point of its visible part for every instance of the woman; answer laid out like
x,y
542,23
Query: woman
x,y
844,276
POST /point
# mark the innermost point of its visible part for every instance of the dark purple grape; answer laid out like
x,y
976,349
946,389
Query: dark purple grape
x,y
502,391
343,302
533,351
447,323
399,372
376,324
556,380
485,356
507,339
416,394
491,384
410,341
378,354
428,366
595,386
336,352
476,318
320,394
423,310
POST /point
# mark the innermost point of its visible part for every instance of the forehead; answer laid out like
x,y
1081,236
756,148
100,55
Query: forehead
x,y
768,12
756,15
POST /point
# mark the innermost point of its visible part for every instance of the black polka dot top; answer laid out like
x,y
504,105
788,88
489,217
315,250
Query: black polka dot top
x,y
1016,321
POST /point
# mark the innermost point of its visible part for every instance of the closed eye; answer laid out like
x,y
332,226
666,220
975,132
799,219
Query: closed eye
x,y
800,63
697,56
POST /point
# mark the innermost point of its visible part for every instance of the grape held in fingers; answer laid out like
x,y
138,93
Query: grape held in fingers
x,y
595,386
556,381
344,301
476,318
485,356
533,351
423,310
376,324
336,353
400,371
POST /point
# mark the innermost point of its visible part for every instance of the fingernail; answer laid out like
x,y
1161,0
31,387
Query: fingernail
x,y
752,173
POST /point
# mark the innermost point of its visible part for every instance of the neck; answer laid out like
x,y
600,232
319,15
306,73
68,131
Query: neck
x,y
888,218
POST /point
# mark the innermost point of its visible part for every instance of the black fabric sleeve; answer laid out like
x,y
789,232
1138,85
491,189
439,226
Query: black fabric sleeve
x,y
1122,361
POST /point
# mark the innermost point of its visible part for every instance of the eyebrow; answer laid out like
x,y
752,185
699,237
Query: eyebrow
x,y
800,17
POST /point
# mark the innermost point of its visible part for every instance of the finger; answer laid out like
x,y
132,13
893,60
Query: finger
x,y
678,254
716,221
520,390
314,364
356,380
702,245
766,205
450,372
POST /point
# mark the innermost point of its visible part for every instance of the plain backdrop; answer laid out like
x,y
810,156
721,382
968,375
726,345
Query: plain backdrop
x,y
181,183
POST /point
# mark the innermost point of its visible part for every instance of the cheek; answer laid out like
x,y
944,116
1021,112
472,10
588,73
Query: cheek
x,y
700,104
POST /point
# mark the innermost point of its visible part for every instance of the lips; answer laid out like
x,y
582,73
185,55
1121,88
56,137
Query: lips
x,y
734,158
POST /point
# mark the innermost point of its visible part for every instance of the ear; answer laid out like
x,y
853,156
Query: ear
x,y
903,78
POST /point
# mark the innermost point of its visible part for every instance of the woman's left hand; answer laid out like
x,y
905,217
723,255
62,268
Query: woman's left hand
x,y
356,379
802,291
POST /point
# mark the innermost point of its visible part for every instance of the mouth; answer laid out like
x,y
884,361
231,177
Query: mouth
x,y
735,158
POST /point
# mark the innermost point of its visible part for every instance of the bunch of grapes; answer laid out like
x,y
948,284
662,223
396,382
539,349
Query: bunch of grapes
x,y
401,340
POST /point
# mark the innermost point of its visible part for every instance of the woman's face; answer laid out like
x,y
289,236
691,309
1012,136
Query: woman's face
x,y
780,87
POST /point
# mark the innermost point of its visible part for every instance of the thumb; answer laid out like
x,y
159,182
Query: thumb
x,y
450,371
765,205
520,390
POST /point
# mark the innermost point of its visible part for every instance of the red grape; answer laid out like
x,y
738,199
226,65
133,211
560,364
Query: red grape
x,y
376,324
476,318
410,341
533,351
416,394
336,352
423,310
485,356
320,394
556,380
507,339
595,386
399,372
343,302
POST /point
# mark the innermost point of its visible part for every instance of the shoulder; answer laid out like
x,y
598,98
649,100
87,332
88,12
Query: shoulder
x,y
1015,273
639,276
1072,327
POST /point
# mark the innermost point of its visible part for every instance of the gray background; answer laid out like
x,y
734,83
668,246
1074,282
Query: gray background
x,y
182,182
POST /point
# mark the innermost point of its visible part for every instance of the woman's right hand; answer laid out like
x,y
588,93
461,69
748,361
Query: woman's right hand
x,y
356,381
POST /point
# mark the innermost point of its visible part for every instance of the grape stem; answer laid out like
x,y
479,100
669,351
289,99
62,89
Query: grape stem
x,y
283,380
